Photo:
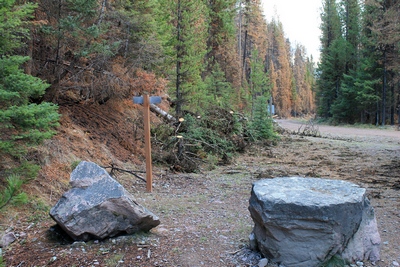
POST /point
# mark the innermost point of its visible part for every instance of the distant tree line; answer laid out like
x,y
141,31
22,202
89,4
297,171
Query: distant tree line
x,y
358,75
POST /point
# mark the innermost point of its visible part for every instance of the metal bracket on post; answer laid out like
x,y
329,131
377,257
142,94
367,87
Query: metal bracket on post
x,y
146,101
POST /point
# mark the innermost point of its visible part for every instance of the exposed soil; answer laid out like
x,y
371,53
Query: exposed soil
x,y
204,216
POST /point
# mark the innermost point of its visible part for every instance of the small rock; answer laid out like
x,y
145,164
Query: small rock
x,y
78,244
395,263
253,242
263,262
360,263
7,239
22,234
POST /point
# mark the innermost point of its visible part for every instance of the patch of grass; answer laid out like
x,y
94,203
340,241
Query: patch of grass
x,y
176,250
203,239
74,164
335,261
40,210
2,263
114,260
244,228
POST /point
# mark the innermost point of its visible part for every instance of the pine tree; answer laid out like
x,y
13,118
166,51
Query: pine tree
x,y
221,29
384,29
259,81
219,91
22,122
261,126
332,63
357,94
187,41
80,41
252,36
351,18
142,32
14,26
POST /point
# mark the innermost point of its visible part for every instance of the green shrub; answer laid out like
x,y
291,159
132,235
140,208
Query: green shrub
x,y
11,193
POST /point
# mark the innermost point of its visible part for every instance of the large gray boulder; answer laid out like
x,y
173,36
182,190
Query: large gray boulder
x,y
304,222
98,206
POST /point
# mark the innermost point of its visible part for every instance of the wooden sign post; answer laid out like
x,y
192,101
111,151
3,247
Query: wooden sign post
x,y
146,101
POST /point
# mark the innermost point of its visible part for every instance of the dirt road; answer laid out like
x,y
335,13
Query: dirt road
x,y
352,132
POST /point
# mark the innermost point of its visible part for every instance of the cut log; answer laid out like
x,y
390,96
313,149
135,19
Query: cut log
x,y
162,113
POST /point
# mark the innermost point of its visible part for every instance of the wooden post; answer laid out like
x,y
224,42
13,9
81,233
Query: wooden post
x,y
147,101
147,143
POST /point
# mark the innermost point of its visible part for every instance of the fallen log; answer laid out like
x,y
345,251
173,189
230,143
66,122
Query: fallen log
x,y
162,113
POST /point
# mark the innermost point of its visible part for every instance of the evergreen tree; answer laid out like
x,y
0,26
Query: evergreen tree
x,y
357,95
142,34
79,43
220,46
259,81
22,122
221,29
252,36
383,23
331,66
351,17
219,91
188,45
261,126
310,83
14,26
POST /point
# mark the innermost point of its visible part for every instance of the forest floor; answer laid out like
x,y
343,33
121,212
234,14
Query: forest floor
x,y
204,216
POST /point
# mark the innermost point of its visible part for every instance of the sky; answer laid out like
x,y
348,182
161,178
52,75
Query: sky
x,y
300,20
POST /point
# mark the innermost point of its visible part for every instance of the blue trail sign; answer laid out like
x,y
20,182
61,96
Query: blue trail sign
x,y
153,100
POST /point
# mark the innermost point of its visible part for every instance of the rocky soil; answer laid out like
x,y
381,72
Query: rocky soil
x,y
204,216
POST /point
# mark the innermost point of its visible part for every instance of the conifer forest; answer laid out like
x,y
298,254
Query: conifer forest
x,y
201,56
204,54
